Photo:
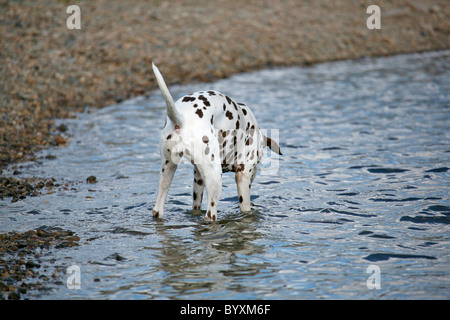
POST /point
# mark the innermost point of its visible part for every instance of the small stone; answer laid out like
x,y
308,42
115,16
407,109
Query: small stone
x,y
62,127
32,264
60,140
43,233
91,179
14,296
73,238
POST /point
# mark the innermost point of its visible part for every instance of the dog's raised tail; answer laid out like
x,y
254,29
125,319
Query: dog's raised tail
x,y
171,110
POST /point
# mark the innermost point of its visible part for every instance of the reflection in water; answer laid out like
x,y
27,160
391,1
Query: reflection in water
x,y
193,257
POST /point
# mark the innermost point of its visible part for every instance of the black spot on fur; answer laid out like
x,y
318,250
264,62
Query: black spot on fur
x,y
205,100
229,115
228,99
199,112
205,139
188,99
169,136
212,119
211,93
241,199
244,111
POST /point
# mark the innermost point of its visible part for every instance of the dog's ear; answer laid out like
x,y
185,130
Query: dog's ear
x,y
273,145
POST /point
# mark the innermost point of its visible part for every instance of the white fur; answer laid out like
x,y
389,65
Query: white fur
x,y
216,135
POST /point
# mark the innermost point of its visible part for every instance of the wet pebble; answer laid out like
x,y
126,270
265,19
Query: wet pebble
x,y
91,179
20,265
20,188
32,264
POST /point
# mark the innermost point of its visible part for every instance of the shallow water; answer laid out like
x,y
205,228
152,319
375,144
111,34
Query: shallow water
x,y
364,180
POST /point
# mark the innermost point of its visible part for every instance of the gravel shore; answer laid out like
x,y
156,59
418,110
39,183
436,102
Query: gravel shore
x,y
20,264
48,71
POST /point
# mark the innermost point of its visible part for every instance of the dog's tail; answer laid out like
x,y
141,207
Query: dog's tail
x,y
273,145
172,112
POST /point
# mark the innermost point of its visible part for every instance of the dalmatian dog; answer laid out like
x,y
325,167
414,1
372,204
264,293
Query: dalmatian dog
x,y
216,135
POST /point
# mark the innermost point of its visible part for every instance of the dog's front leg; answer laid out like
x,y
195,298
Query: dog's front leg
x,y
167,172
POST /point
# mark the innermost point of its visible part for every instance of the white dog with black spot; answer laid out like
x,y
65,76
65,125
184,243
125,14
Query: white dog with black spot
x,y
216,135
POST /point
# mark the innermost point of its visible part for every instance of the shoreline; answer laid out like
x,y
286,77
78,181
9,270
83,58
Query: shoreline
x,y
51,72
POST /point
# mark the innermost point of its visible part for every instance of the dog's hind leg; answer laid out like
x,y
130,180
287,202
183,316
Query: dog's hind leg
x,y
243,181
199,187
167,171
211,174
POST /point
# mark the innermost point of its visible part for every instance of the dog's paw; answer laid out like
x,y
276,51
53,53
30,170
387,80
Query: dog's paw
x,y
155,214
209,216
